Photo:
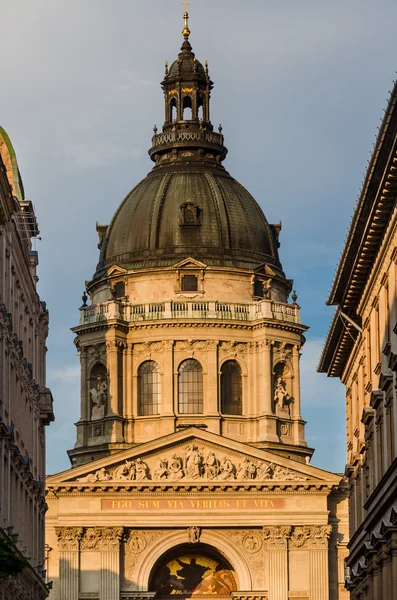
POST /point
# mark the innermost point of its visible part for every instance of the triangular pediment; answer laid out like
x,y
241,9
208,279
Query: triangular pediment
x,y
116,270
193,456
191,263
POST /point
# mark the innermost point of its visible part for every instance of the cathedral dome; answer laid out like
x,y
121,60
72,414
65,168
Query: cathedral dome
x,y
176,213
189,205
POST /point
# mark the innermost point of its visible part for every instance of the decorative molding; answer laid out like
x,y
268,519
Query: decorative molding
x,y
193,534
277,536
69,538
195,464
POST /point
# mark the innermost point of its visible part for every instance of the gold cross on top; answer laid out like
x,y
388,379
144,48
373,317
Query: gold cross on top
x,y
185,3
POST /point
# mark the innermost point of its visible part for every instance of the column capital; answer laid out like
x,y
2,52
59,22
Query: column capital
x,y
111,538
276,536
319,536
69,538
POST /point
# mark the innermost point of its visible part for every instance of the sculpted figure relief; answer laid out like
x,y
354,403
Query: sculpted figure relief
x,y
175,468
194,533
197,464
226,470
193,462
99,397
141,470
161,470
281,396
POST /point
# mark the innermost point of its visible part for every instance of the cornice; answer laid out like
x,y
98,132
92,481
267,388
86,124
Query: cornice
x,y
81,330
160,489
371,215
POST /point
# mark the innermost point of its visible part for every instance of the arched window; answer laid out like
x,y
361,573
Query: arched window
x,y
149,389
190,387
173,109
187,108
231,388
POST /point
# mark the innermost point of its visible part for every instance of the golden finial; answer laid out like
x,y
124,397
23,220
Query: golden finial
x,y
186,30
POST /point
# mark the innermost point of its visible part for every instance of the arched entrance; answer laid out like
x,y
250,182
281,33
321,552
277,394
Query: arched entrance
x,y
192,571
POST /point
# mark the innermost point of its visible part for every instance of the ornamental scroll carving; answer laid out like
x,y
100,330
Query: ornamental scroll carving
x,y
110,538
277,536
319,536
69,538
192,464
251,541
101,538
136,542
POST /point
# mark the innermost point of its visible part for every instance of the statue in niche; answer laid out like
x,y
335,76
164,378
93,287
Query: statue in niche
x,y
193,533
99,397
226,469
282,399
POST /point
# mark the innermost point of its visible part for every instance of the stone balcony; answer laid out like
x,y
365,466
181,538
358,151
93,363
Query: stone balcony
x,y
188,309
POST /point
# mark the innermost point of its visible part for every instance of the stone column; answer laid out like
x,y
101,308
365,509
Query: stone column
x,y
167,388
296,409
276,538
84,405
318,562
68,545
112,350
265,371
110,563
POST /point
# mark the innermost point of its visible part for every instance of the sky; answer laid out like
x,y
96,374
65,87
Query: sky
x,y
300,89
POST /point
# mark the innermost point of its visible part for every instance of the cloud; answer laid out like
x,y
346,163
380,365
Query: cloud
x,y
68,374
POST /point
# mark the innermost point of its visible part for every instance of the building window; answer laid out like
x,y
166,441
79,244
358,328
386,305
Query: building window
x,y
258,288
149,389
189,283
231,388
190,387
119,290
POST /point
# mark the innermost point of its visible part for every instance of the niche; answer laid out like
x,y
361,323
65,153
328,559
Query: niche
x,y
98,391
282,386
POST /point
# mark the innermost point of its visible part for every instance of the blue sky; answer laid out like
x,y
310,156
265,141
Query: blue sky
x,y
300,89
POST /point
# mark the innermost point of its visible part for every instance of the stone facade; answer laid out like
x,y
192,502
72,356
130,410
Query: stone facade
x,y
361,349
25,401
284,529
191,471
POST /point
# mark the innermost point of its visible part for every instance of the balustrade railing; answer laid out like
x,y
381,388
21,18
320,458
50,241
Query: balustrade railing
x,y
186,136
187,309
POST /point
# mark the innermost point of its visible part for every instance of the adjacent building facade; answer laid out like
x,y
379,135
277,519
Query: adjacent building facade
x,y
361,349
191,471
25,401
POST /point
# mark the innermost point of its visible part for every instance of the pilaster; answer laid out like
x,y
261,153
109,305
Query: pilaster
x,y
318,562
68,545
110,562
276,538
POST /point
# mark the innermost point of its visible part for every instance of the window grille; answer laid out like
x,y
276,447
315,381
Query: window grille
x,y
190,387
231,388
189,283
258,288
149,389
